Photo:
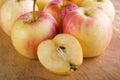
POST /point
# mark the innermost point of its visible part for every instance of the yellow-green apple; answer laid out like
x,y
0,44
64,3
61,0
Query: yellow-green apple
x,y
11,10
78,2
105,5
59,8
42,3
29,31
92,27
1,3
61,55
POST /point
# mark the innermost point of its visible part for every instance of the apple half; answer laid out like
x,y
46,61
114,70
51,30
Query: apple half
x,y
60,55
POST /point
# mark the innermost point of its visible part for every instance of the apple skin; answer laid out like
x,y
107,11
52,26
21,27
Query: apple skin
x,y
78,2
58,9
42,3
105,5
27,34
11,10
59,61
1,3
88,26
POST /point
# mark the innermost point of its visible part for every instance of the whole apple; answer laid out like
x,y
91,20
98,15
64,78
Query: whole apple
x,y
105,5
92,27
58,9
61,55
28,32
42,3
11,10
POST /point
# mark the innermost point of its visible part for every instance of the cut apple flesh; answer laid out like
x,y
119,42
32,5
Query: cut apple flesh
x,y
61,55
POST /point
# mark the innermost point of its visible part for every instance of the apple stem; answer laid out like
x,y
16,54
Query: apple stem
x,y
34,10
63,2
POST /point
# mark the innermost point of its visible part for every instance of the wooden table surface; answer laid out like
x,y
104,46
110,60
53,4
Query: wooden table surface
x,y
13,66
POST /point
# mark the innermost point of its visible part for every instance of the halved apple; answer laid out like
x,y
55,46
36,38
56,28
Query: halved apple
x,y
61,55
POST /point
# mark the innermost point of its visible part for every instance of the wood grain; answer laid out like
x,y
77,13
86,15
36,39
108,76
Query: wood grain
x,y
13,66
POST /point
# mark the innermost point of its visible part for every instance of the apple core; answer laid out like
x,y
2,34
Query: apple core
x,y
61,52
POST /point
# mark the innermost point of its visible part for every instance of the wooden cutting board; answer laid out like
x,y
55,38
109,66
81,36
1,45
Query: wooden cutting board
x,y
13,66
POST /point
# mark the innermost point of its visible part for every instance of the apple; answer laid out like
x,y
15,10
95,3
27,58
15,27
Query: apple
x,y
92,27
58,9
1,3
42,3
29,31
11,10
78,2
61,55
105,5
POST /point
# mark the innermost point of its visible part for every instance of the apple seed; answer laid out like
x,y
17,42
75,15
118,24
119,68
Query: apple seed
x,y
61,52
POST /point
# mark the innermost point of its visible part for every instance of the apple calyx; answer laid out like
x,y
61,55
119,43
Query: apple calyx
x,y
18,0
73,67
61,52
88,12
65,3
99,0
